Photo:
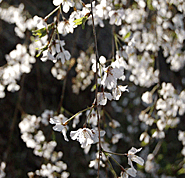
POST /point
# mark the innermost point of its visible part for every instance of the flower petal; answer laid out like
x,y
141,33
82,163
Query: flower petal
x,y
138,160
58,127
131,171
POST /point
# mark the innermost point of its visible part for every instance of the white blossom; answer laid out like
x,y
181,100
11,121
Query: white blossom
x,y
58,121
116,137
116,16
144,137
65,3
102,98
86,136
110,77
132,157
93,117
158,134
147,97
2,170
116,92
66,26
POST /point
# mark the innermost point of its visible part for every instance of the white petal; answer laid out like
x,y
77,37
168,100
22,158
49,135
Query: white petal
x,y
57,2
108,95
134,150
116,92
65,7
64,131
74,135
130,162
138,160
53,121
58,128
102,133
131,171
67,55
101,99
117,72
124,175
123,88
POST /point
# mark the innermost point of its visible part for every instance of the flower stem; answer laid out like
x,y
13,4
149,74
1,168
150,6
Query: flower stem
x,y
46,18
119,154
67,122
96,81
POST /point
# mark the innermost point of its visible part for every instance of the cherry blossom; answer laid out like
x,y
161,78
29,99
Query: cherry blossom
x,y
142,36
116,16
116,138
58,121
147,97
144,137
65,3
66,26
92,117
2,169
94,163
56,52
86,136
128,171
102,98
116,92
132,157
158,134
110,77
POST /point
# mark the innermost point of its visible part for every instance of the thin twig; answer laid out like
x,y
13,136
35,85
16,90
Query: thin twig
x,y
51,13
96,81
62,96
18,109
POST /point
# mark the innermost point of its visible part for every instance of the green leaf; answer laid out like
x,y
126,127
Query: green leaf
x,y
82,20
83,26
43,31
93,88
143,143
181,171
78,21
41,50
127,35
40,32
149,4
152,131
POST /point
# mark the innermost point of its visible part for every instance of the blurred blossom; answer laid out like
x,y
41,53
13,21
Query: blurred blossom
x,y
158,134
115,139
2,169
66,4
46,115
144,137
147,97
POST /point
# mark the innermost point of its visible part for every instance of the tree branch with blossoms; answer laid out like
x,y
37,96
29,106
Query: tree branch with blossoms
x,y
89,55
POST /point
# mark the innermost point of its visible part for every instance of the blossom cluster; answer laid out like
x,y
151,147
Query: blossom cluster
x,y
35,139
84,75
145,35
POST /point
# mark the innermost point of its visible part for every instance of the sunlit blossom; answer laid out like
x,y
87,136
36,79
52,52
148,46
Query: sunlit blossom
x,y
111,75
102,98
132,157
58,121
86,136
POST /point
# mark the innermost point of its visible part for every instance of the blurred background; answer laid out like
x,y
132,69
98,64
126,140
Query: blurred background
x,y
41,90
